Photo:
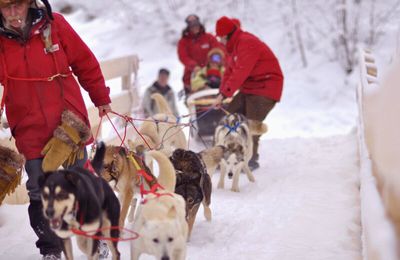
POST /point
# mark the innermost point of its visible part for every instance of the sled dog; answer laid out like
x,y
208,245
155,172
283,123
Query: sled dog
x,y
120,172
78,199
160,219
233,133
192,183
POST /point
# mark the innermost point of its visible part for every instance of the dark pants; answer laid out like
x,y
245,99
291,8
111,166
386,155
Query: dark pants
x,y
254,108
48,242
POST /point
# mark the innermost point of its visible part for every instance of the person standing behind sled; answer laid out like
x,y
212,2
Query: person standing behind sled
x,y
255,72
160,86
39,53
193,48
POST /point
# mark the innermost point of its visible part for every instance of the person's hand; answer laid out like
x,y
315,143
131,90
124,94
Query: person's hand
x,y
218,101
196,69
103,110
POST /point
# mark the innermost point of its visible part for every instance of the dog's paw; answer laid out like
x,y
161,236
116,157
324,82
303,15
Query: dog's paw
x,y
220,185
251,178
235,189
207,214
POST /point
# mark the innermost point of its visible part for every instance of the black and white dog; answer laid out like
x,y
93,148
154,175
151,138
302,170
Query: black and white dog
x,y
78,199
233,133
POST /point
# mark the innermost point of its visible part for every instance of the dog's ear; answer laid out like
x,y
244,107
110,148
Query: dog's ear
x,y
42,178
172,212
140,149
72,177
122,152
98,159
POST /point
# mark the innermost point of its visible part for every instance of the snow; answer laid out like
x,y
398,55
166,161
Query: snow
x,y
295,210
305,203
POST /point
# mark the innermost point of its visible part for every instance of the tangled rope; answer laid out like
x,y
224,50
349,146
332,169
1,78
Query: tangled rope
x,y
140,171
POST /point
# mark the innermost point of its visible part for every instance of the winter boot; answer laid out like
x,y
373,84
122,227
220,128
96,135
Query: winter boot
x,y
48,243
253,163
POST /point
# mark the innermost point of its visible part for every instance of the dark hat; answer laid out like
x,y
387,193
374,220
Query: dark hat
x,y
192,20
4,3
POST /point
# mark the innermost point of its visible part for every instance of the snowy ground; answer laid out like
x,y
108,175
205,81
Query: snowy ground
x,y
304,205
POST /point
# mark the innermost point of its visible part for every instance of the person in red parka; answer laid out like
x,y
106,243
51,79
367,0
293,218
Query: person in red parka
x,y
254,71
39,53
193,48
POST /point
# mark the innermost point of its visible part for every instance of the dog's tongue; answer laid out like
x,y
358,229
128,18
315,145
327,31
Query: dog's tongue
x,y
55,223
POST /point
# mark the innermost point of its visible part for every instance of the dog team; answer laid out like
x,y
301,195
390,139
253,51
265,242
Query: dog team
x,y
42,59
76,199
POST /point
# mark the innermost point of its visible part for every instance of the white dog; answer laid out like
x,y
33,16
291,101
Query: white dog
x,y
234,135
161,221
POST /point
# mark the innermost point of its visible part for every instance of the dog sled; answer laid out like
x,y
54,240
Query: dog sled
x,y
205,119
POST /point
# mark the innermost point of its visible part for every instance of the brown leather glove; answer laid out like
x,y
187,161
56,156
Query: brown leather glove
x,y
67,143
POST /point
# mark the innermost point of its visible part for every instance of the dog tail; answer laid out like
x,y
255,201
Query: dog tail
x,y
212,156
167,176
257,127
162,104
97,161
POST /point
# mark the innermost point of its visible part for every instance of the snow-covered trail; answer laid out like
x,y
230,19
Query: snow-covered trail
x,y
304,205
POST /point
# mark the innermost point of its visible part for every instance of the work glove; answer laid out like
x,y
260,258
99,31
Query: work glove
x,y
11,164
67,144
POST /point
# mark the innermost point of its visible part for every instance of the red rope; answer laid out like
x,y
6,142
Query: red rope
x,y
115,129
134,234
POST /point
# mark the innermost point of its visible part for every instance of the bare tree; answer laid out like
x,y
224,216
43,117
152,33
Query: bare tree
x,y
297,30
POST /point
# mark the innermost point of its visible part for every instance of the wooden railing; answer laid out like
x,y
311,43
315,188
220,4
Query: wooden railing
x,y
377,130
125,101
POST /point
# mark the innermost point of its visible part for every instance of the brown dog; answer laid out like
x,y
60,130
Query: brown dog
x,y
118,168
192,183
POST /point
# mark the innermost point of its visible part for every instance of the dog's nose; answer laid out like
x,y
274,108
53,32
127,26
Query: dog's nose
x,y
165,257
230,175
50,212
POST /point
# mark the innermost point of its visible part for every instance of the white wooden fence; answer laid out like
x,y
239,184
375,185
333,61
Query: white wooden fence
x,y
376,105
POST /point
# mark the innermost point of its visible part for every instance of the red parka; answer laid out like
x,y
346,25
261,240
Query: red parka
x,y
34,108
193,50
253,68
